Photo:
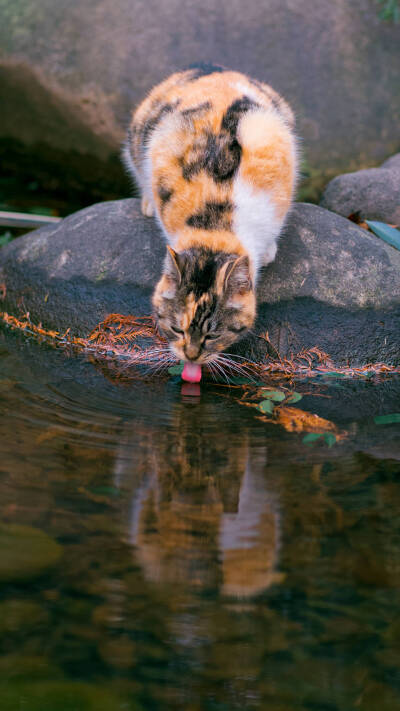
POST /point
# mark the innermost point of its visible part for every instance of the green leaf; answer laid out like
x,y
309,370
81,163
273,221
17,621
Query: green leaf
x,y
266,406
332,374
387,419
385,232
241,381
294,397
275,395
105,490
5,238
176,369
329,438
312,437
40,210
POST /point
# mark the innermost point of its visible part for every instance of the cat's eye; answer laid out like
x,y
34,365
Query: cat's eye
x,y
240,329
176,330
211,336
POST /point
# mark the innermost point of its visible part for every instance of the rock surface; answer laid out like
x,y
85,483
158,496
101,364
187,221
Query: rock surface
x,y
373,193
332,285
309,51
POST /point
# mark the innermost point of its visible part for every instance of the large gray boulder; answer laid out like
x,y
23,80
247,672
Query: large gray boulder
x,y
70,69
374,194
333,284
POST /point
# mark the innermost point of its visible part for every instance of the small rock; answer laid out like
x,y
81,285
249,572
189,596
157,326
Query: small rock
x,y
374,193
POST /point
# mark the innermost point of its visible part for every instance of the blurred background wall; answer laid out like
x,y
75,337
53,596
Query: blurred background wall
x,y
70,71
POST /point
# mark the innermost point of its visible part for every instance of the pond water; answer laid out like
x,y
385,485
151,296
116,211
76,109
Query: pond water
x,y
161,550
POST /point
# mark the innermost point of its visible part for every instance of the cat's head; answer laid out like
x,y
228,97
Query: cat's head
x,y
204,302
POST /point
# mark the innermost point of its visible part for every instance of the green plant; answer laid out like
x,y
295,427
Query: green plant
x,y
390,10
5,238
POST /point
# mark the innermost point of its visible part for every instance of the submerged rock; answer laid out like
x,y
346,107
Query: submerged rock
x,y
25,552
373,193
332,285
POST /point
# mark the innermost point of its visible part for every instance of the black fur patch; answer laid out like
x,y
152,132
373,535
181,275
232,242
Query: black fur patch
x,y
197,109
222,154
232,115
220,158
215,215
275,101
204,69
164,194
152,122
201,268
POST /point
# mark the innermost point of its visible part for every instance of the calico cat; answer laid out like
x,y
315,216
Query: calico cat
x,y
215,155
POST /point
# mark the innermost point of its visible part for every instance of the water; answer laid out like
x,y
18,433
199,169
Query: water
x,y
164,551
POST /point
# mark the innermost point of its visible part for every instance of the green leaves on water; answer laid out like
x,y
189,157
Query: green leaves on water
x,y
311,437
387,419
294,397
266,407
176,369
385,232
329,438
275,395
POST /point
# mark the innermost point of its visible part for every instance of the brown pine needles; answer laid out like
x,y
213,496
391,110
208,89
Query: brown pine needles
x,y
136,338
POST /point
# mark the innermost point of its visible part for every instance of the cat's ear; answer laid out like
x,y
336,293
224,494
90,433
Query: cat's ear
x,y
174,264
235,276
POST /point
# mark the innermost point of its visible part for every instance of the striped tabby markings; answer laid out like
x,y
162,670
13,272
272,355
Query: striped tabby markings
x,y
193,111
213,216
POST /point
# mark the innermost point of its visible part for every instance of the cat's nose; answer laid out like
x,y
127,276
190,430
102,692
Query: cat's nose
x,y
191,351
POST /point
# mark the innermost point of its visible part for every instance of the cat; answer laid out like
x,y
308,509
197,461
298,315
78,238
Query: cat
x,y
215,155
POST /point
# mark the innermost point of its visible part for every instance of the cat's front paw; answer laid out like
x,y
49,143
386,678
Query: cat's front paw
x,y
147,207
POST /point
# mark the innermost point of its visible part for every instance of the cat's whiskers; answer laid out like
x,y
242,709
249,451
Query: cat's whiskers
x,y
220,370
236,368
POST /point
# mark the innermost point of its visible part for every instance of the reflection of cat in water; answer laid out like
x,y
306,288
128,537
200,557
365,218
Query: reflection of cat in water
x,y
200,512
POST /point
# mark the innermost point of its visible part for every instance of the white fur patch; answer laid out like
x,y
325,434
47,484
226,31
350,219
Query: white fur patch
x,y
246,90
255,222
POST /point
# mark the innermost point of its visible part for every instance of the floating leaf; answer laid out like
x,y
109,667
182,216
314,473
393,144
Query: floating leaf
x,y
332,374
294,397
275,395
176,369
266,406
329,438
387,419
312,437
105,490
385,232
241,381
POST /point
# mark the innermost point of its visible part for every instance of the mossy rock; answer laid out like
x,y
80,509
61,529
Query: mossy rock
x,y
21,616
62,696
25,552
21,666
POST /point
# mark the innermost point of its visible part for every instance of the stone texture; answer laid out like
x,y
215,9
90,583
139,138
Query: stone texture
x,y
333,284
373,193
336,62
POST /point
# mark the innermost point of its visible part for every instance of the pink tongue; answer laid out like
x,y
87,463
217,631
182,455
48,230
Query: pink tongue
x,y
191,372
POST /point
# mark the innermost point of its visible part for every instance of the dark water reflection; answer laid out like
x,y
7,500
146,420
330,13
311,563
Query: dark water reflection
x,y
160,551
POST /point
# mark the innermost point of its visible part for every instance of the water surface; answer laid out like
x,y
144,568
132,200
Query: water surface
x,y
160,550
